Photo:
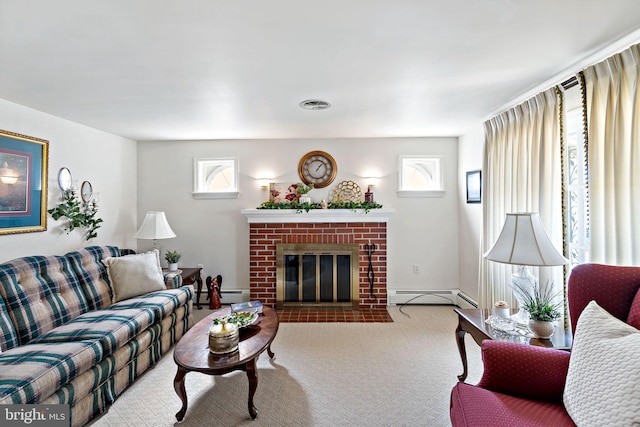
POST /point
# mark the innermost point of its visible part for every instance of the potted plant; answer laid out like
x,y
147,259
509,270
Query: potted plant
x,y
542,305
301,190
172,258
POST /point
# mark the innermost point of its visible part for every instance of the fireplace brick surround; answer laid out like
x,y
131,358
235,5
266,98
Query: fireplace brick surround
x,y
268,229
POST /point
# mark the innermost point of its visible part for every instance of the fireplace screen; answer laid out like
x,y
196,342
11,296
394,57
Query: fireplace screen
x,y
325,274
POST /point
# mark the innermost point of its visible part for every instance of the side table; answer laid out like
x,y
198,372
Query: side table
x,y
191,275
473,321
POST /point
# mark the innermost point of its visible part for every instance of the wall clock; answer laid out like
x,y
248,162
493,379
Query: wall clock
x,y
317,168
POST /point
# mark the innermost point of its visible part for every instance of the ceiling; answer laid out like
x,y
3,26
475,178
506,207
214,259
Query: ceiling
x,y
214,69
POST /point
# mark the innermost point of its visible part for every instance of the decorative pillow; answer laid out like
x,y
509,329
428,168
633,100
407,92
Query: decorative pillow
x,y
603,377
634,313
134,275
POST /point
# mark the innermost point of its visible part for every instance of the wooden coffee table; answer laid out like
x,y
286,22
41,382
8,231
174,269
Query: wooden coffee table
x,y
473,321
192,353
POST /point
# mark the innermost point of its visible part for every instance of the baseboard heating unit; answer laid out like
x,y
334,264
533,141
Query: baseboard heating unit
x,y
465,301
232,296
447,297
431,297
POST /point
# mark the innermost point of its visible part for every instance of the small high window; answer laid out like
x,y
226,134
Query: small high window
x,y
215,178
420,177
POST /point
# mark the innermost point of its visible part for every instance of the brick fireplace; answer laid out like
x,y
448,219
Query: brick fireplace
x,y
269,228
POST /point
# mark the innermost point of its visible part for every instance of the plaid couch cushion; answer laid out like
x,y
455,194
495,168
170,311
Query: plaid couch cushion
x,y
92,274
164,302
8,335
172,279
94,378
31,373
41,293
111,328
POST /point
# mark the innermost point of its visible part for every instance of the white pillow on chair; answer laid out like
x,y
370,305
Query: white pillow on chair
x,y
602,386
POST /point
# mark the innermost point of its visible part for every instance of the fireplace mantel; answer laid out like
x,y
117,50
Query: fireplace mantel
x,y
287,216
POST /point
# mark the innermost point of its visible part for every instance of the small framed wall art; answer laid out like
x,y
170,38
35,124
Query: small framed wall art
x,y
474,186
23,183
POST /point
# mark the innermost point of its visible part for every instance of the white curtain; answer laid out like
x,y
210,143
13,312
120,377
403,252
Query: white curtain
x,y
613,112
521,173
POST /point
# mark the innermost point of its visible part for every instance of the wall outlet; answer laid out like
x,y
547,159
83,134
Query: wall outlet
x,y
416,268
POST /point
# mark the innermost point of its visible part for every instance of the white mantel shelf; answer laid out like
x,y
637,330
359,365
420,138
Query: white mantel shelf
x,y
282,216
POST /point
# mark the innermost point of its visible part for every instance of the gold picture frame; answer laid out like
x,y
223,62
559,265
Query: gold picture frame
x,y
23,183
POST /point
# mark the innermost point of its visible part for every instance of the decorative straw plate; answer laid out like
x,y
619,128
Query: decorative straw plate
x,y
346,191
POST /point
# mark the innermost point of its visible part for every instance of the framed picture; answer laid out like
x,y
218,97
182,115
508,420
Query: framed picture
x,y
474,186
279,192
23,183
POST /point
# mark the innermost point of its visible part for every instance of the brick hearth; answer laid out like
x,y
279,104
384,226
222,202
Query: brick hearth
x,y
263,238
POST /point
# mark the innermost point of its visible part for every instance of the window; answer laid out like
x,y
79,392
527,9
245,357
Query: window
x,y
578,191
420,177
215,178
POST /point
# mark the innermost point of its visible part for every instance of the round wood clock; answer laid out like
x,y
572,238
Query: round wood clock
x,y
317,168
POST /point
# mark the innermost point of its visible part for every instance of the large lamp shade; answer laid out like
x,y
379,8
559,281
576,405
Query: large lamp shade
x,y
523,241
154,226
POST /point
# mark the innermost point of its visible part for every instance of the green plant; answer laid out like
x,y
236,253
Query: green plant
x,y
79,215
301,189
538,301
172,257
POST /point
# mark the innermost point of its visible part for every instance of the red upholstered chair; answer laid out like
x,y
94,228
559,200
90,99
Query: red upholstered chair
x,y
522,385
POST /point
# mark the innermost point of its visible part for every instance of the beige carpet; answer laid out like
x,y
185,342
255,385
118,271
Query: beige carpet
x,y
324,374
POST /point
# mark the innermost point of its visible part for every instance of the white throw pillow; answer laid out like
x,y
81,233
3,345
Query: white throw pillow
x,y
602,387
133,275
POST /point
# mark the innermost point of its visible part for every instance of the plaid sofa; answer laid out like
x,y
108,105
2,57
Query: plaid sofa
x,y
62,340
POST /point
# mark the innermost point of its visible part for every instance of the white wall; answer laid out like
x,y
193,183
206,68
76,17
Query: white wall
x,y
214,233
107,161
470,148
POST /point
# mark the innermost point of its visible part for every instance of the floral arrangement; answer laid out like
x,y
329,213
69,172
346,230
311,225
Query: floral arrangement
x,y
294,191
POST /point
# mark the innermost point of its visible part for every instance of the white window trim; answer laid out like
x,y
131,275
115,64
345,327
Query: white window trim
x,y
201,195
418,193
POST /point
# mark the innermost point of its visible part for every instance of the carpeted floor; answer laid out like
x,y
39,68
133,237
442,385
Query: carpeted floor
x,y
324,374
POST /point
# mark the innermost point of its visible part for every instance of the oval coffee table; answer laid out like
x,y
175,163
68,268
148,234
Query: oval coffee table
x,y
192,353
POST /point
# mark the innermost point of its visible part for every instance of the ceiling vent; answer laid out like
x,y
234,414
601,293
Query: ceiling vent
x,y
315,104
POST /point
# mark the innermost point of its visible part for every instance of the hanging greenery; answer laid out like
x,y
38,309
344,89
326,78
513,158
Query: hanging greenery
x,y
299,207
78,214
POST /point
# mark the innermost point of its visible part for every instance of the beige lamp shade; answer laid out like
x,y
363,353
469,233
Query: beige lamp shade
x,y
523,241
154,226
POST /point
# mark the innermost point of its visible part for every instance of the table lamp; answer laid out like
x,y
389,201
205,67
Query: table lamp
x,y
524,242
154,226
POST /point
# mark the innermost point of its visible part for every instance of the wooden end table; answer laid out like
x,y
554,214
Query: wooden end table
x,y
473,321
192,353
191,275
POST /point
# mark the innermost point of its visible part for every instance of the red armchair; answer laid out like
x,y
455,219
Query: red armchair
x,y
522,385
